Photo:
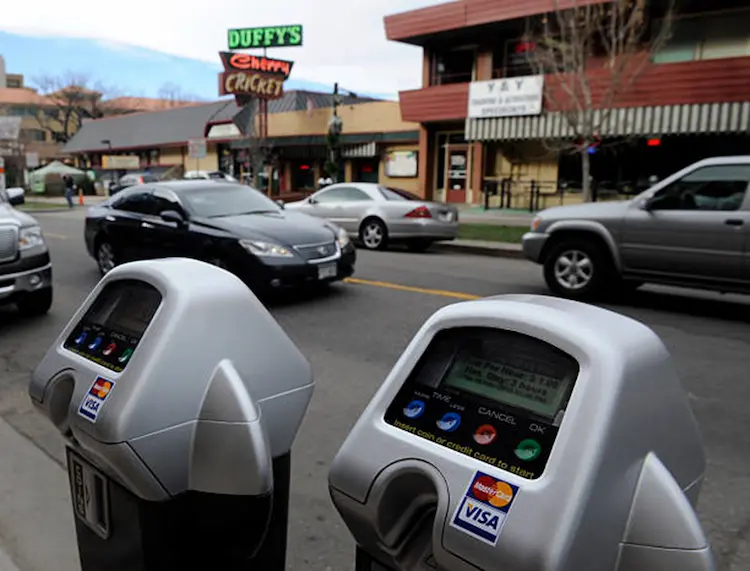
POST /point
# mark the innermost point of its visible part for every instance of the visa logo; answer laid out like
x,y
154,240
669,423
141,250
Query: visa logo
x,y
479,520
480,515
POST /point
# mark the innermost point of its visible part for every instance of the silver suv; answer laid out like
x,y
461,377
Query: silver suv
x,y
25,267
691,229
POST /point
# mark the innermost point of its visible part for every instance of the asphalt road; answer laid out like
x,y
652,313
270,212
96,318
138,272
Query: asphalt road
x,y
353,335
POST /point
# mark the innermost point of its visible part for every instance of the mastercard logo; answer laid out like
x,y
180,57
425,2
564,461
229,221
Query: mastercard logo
x,y
101,389
493,492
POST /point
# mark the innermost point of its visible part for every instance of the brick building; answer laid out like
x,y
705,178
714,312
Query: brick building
x,y
691,101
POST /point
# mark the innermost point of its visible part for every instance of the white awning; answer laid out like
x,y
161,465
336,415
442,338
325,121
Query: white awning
x,y
360,151
643,121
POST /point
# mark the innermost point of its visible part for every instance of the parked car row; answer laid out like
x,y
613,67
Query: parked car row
x,y
690,229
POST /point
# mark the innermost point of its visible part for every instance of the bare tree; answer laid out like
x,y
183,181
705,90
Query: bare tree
x,y
593,54
259,149
68,100
174,96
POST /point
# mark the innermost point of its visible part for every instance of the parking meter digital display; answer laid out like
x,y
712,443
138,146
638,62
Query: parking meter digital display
x,y
109,332
495,395
527,385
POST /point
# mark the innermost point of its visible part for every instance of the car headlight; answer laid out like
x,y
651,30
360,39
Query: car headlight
x,y
266,249
535,223
342,237
30,237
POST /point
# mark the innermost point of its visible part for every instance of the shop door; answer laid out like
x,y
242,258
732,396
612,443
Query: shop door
x,y
457,159
366,170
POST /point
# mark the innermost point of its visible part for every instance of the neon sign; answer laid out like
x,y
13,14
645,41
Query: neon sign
x,y
265,37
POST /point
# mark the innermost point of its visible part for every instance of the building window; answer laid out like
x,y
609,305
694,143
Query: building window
x,y
704,37
13,83
303,176
36,135
20,111
513,58
455,66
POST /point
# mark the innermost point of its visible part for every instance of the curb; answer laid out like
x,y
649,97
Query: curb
x,y
33,211
480,251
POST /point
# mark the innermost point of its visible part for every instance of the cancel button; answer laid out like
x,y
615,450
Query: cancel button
x,y
501,416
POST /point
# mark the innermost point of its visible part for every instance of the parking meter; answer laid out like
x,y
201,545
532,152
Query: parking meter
x,y
180,397
526,433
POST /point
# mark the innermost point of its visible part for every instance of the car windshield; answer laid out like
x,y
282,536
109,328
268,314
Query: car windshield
x,y
227,200
397,194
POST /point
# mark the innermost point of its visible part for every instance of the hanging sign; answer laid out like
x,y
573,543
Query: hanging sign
x,y
256,76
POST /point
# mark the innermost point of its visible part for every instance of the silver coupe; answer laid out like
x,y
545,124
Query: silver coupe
x,y
379,216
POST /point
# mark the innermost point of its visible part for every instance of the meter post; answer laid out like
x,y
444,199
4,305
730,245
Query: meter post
x,y
507,438
180,397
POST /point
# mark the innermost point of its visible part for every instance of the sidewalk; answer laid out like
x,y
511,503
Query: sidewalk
x,y
495,216
37,532
55,202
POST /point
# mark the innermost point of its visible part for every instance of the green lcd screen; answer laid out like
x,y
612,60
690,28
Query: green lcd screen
x,y
512,385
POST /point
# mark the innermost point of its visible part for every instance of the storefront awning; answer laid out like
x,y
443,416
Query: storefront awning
x,y
644,121
367,150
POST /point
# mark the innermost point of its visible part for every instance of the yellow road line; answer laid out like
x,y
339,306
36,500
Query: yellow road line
x,y
422,290
58,236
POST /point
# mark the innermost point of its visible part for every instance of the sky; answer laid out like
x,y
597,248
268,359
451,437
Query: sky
x,y
344,40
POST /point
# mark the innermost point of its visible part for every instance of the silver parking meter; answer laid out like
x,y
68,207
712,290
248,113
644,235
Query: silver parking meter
x,y
526,433
180,397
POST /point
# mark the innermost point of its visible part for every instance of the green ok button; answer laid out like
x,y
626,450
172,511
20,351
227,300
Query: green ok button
x,y
528,450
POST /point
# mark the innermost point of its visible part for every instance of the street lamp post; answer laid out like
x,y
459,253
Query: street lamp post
x,y
334,133
111,172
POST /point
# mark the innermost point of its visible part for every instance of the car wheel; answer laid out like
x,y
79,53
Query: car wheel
x,y
373,234
35,303
577,269
105,257
419,245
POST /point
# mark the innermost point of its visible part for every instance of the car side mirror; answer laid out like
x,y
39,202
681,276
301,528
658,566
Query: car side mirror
x,y
280,203
648,204
173,216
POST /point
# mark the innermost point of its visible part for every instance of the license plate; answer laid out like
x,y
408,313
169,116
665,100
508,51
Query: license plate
x,y
89,489
446,217
327,271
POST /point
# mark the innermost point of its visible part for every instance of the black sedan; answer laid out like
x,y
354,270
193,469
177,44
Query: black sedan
x,y
226,224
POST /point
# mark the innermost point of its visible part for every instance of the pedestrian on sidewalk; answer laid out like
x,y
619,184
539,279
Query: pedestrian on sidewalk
x,y
70,186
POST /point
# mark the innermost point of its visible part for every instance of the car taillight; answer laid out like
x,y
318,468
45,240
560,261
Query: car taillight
x,y
140,180
419,212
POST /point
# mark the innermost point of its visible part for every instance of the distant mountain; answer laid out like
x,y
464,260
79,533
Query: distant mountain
x,y
129,70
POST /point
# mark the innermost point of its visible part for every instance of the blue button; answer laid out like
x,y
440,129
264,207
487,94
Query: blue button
x,y
95,345
81,338
414,409
449,422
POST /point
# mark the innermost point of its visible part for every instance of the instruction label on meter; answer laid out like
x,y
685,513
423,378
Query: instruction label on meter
x,y
484,507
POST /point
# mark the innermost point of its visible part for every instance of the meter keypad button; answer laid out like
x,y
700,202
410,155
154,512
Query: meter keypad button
x,y
414,409
450,422
528,450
